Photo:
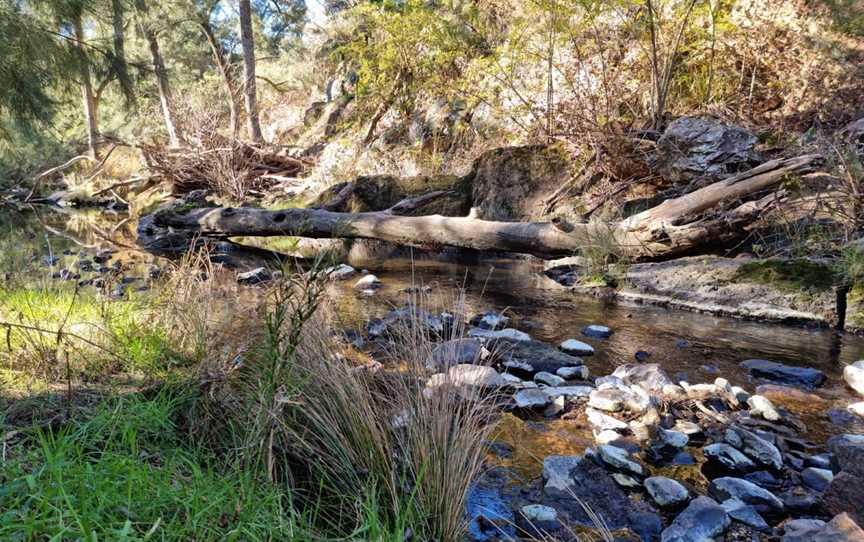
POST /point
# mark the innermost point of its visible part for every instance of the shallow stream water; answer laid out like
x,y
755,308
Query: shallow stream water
x,y
693,347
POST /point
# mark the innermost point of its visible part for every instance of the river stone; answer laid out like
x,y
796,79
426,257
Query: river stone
x,y
805,377
748,492
610,382
687,427
625,481
576,348
857,408
558,474
702,521
619,459
607,436
489,320
704,148
842,528
754,446
602,422
568,392
845,493
549,379
594,488
367,282
608,400
597,331
817,479
729,457
456,352
532,399
848,454
801,530
572,373
761,406
854,376
666,492
539,356
475,376
508,334
819,461
339,272
674,439
746,514
649,376
539,518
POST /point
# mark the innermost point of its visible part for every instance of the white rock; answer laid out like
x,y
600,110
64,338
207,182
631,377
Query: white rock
x,y
576,348
475,375
538,513
340,272
607,436
569,392
570,373
618,458
854,376
856,408
603,421
532,398
762,406
368,282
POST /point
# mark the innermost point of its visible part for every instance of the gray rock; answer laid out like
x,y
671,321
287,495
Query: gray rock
x,y
747,492
854,376
819,461
549,379
848,454
610,382
508,333
532,399
539,356
674,439
729,457
490,320
558,474
648,376
817,479
761,406
746,514
255,276
340,272
619,459
571,373
610,400
784,374
686,427
702,521
842,528
455,352
538,518
475,376
666,492
569,392
602,422
754,446
625,481
597,331
576,348
801,530
704,148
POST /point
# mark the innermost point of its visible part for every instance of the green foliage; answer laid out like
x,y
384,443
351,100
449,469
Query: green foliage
x,y
792,275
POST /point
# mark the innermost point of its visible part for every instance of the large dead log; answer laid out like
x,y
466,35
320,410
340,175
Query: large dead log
x,y
716,212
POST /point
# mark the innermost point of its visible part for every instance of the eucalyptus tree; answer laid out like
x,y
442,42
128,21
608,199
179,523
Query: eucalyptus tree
x,y
249,87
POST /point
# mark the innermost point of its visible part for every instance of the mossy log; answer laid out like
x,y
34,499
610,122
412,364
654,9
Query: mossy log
x,y
717,212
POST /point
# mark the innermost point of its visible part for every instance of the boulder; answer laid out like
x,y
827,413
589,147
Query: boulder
x,y
666,492
747,492
704,148
805,377
702,521
576,348
845,493
455,352
854,376
842,528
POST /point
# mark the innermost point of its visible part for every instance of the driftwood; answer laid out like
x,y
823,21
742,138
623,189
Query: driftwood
x,y
717,212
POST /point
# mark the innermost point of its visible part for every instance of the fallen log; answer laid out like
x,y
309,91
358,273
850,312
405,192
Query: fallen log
x,y
677,226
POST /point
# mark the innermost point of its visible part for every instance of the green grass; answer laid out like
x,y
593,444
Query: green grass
x,y
127,473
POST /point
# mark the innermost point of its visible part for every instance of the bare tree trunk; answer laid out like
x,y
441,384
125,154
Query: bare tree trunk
x,y
225,71
677,226
119,38
161,75
86,90
248,43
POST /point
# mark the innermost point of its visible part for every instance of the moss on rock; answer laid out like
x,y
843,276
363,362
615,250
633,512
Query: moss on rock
x,y
794,276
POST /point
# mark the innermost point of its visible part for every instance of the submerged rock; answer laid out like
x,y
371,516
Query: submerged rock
x,y
702,521
784,374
